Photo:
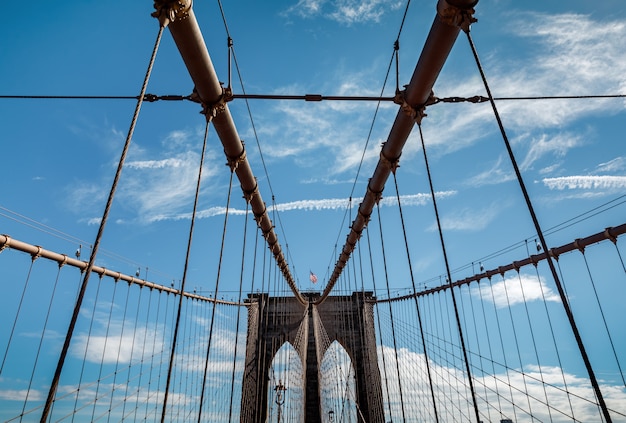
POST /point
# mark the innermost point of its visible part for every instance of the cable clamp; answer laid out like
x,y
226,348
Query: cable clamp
x,y
6,243
417,113
391,164
167,11
366,217
233,161
459,16
378,195
214,109
258,216
35,256
248,195
579,247
609,235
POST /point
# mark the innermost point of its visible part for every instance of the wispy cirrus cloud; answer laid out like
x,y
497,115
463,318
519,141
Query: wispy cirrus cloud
x,y
556,61
316,205
589,182
344,11
615,165
467,219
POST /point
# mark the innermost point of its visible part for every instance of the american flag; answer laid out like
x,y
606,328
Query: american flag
x,y
312,277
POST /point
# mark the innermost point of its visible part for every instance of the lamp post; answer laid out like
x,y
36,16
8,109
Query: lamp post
x,y
280,388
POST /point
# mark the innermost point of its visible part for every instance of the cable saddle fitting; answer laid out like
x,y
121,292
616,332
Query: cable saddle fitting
x,y
417,113
167,11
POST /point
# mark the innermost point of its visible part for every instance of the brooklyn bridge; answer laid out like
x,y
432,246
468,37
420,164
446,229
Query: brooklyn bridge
x,y
528,329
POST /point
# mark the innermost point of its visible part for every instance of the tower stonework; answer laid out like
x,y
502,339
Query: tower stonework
x,y
310,329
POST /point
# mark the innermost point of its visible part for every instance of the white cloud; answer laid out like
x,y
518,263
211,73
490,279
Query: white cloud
x,y
515,290
557,145
344,11
590,182
313,205
560,60
494,392
496,174
467,219
615,165
20,395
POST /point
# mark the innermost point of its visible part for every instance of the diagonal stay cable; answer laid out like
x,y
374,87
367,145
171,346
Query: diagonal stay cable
x,y
394,56
540,234
185,269
70,331
256,138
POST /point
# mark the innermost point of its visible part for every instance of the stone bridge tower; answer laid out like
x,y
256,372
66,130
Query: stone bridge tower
x,y
311,329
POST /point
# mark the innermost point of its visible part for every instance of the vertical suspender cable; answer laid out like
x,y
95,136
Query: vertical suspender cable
x,y
182,286
419,314
70,331
217,284
380,332
243,255
544,245
393,330
445,257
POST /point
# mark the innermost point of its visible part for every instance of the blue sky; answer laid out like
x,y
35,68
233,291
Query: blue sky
x,y
59,156
570,152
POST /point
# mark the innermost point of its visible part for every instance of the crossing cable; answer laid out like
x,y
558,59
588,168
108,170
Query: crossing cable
x,y
70,331
417,308
84,360
529,205
380,99
243,256
231,50
478,343
556,347
393,332
217,283
132,347
104,349
143,352
380,332
186,267
519,355
43,332
532,336
17,313
448,273
606,326
151,98
119,351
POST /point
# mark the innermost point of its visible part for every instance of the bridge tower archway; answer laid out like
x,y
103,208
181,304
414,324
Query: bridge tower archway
x,y
311,329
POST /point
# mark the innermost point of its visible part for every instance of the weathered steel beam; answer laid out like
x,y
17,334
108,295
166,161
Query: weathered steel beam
x,y
180,18
451,15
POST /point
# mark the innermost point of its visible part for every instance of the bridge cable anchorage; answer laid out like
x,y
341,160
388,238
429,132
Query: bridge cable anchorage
x,y
530,207
70,331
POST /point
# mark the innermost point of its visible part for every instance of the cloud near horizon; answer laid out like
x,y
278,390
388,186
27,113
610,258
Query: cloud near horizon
x,y
313,205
